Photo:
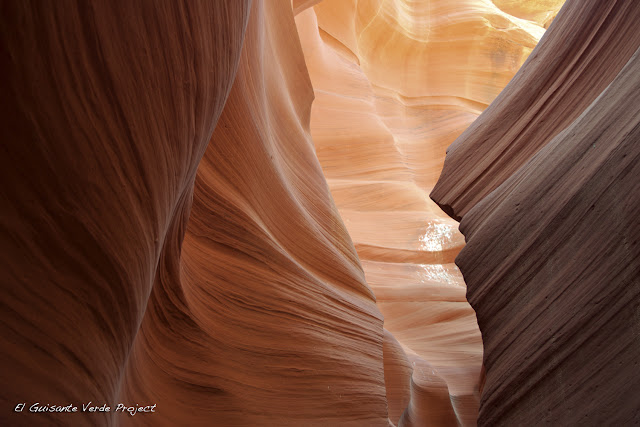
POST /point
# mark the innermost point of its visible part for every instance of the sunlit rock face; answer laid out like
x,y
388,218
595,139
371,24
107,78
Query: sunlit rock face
x,y
541,12
547,183
395,83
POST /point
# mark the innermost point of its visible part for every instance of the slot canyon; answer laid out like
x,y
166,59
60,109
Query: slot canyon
x,y
320,213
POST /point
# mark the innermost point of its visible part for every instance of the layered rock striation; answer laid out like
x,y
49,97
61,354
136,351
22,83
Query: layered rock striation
x,y
148,261
221,209
395,83
107,109
549,211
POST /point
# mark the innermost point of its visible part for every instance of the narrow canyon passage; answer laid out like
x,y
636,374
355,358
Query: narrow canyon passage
x,y
260,213
395,84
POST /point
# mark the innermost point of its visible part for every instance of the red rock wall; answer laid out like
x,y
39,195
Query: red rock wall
x,y
106,111
588,44
168,237
267,314
261,315
548,187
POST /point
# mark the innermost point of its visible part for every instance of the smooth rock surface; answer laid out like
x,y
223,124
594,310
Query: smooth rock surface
x,y
234,297
221,209
395,83
105,115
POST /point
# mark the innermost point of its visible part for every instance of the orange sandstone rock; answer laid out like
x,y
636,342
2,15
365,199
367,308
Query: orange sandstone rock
x,y
395,83
230,297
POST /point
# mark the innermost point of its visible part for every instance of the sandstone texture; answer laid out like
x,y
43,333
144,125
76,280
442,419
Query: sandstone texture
x,y
547,184
395,83
222,209
149,261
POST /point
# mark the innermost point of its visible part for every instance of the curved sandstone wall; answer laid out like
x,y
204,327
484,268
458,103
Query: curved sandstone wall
x,y
549,215
230,296
395,83
222,209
